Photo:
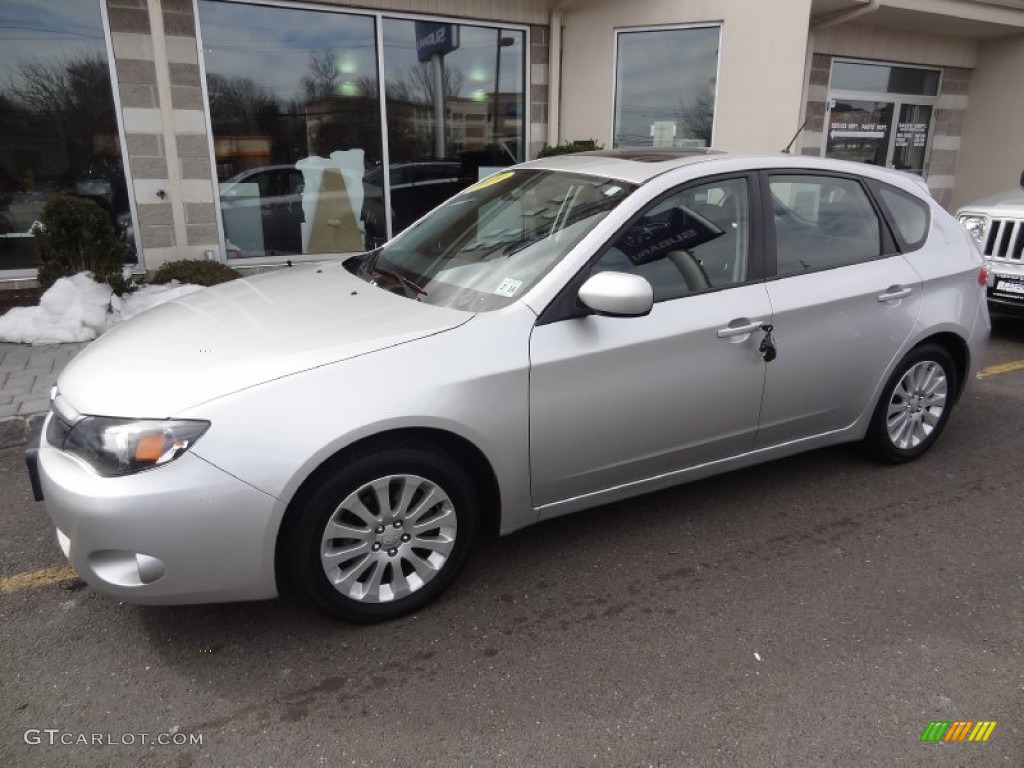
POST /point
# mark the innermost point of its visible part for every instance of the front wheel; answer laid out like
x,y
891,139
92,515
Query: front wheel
x,y
915,405
383,536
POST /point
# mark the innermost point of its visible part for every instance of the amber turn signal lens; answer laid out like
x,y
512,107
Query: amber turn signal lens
x,y
150,448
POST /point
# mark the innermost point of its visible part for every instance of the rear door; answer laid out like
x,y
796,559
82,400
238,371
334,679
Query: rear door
x,y
844,301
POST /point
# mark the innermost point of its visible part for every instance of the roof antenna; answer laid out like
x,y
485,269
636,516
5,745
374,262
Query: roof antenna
x,y
798,132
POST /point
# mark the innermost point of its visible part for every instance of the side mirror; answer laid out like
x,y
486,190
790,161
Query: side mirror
x,y
617,294
1022,178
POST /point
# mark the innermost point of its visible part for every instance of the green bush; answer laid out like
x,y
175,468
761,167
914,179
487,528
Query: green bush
x,y
195,271
76,235
568,147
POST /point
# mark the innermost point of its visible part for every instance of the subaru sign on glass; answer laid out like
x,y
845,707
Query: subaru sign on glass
x,y
434,37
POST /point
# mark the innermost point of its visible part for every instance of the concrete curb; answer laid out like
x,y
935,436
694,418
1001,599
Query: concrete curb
x,y
14,430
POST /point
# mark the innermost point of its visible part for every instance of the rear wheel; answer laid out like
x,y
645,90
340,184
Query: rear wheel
x,y
915,405
383,536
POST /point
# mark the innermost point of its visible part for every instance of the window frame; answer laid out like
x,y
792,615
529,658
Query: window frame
x,y
566,304
617,31
887,242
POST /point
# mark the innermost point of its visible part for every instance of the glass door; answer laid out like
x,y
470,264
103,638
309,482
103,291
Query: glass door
x,y
911,139
881,114
860,131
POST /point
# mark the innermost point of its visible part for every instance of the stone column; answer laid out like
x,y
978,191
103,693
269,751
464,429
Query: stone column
x,y
168,153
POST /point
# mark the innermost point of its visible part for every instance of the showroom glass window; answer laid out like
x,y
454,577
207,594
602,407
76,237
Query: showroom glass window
x,y
295,116
665,86
442,140
58,128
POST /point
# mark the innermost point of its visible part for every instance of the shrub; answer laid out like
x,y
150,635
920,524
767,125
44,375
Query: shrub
x,y
195,271
76,235
568,147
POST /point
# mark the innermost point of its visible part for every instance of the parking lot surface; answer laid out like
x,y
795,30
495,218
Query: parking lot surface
x,y
816,611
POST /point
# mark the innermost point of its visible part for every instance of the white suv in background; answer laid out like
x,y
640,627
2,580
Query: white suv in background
x,y
997,225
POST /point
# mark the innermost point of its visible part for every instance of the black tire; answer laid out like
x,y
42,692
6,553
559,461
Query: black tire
x,y
304,537
880,442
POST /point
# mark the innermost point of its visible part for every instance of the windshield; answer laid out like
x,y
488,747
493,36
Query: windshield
x,y
487,246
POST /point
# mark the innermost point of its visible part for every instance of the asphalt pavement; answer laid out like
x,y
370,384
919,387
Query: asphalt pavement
x,y
816,611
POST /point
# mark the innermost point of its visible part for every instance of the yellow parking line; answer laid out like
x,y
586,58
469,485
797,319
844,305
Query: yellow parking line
x,y
39,578
995,370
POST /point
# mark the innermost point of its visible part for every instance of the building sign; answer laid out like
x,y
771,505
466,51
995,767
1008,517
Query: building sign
x,y
845,129
434,37
911,134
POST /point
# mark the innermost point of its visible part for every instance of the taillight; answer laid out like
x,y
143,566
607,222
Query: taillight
x,y
983,276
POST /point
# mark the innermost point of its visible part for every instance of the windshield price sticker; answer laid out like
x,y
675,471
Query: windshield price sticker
x,y
508,287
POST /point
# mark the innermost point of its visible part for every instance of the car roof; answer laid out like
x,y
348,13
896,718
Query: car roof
x,y
641,164
634,164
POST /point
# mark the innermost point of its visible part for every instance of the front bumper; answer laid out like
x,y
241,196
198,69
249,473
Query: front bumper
x,y
183,533
999,294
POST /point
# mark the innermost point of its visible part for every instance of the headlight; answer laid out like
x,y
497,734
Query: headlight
x,y
976,226
115,447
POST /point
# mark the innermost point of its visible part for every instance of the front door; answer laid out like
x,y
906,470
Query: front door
x,y
619,400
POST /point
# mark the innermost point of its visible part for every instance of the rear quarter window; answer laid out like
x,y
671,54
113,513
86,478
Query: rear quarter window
x,y
910,216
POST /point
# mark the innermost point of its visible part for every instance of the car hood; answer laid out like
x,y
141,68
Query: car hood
x,y
242,333
1011,198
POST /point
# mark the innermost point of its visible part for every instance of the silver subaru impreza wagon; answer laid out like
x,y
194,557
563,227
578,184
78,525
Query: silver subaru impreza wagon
x,y
565,333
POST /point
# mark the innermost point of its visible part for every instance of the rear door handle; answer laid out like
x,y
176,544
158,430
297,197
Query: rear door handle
x,y
894,293
732,331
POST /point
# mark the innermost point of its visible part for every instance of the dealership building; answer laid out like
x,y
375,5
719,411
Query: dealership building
x,y
258,132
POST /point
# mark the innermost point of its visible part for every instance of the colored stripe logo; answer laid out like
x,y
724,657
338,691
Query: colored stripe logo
x,y
958,730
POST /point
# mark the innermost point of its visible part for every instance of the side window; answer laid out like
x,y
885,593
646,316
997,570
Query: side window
x,y
697,239
910,216
822,222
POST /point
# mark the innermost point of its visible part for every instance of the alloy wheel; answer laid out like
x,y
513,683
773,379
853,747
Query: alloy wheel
x,y
916,404
388,538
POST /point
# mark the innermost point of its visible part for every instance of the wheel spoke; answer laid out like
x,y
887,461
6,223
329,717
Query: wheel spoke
x,y
441,544
397,586
355,505
372,584
423,569
442,520
343,554
351,575
903,434
382,490
920,431
409,489
340,531
428,502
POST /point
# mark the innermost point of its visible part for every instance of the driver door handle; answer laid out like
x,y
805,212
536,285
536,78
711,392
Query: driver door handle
x,y
740,330
894,293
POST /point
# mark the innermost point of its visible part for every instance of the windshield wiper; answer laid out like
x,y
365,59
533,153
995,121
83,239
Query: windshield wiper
x,y
414,290
369,270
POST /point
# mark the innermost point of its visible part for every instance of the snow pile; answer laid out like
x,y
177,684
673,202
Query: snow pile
x,y
79,309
